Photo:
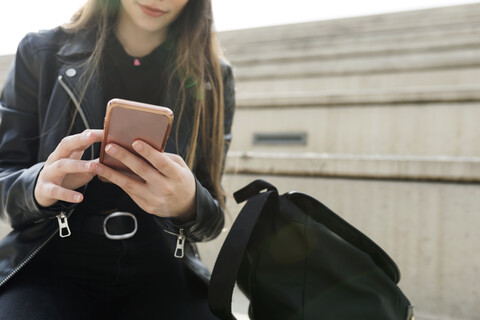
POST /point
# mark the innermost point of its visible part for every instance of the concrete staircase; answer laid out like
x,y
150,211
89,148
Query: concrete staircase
x,y
403,87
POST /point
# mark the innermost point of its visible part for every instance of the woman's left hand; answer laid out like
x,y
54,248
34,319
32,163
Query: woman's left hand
x,y
169,187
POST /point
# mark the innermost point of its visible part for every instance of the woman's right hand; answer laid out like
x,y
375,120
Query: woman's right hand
x,y
64,171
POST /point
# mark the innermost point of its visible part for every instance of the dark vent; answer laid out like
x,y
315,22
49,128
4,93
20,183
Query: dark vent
x,y
280,138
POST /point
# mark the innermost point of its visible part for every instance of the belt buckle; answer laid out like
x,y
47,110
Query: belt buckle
x,y
120,236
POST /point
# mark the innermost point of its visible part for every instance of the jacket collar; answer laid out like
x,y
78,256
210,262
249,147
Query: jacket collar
x,y
78,45
72,54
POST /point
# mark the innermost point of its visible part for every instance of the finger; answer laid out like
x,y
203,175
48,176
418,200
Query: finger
x,y
130,185
135,163
177,159
159,160
64,166
75,143
77,154
57,192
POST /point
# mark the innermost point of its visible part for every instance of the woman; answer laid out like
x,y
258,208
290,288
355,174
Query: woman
x,y
60,262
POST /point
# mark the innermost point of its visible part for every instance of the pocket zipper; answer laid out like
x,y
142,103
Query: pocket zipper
x,y
180,248
63,227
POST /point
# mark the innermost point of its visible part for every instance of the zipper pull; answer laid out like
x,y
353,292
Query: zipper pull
x,y
410,315
179,250
63,228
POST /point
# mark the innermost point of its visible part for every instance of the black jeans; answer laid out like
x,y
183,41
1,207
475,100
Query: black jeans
x,y
87,276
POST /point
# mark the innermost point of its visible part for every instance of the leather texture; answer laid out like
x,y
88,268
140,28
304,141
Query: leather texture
x,y
35,116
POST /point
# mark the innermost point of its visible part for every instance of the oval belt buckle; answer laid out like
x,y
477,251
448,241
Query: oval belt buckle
x,y
120,236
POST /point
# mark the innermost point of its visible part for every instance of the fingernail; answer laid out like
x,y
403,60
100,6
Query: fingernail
x,y
138,146
77,198
111,149
88,165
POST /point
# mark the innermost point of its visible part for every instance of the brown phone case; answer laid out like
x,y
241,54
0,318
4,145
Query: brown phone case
x,y
127,121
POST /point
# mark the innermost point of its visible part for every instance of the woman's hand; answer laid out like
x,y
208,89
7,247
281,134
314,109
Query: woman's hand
x,y
169,186
64,172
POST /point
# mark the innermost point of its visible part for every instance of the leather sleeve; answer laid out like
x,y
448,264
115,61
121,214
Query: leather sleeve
x,y
210,215
19,166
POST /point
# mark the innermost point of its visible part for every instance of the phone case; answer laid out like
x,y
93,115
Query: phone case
x,y
127,121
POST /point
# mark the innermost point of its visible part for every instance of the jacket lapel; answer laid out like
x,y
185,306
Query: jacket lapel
x,y
73,57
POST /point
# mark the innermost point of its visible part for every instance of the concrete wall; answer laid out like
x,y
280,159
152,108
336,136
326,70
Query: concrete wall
x,y
5,62
376,117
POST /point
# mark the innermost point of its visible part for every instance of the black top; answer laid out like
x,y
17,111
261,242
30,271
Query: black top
x,y
140,79
126,77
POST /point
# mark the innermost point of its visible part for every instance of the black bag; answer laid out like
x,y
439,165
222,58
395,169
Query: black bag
x,y
296,259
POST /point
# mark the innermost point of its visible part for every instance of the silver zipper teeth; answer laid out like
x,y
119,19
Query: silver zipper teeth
x,y
78,107
44,243
24,262
34,253
75,100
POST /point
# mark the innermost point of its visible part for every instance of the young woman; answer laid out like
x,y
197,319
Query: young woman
x,y
60,262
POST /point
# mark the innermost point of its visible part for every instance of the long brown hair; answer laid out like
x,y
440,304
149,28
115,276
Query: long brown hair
x,y
196,65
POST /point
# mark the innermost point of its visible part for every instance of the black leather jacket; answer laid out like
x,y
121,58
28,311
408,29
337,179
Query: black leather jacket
x,y
44,79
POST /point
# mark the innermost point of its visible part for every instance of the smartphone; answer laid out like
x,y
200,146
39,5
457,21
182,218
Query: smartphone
x,y
127,121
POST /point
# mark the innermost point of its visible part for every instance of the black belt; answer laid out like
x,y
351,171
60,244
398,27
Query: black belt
x,y
115,226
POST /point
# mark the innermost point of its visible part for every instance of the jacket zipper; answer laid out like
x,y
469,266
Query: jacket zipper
x,y
63,227
180,248
24,262
75,102
34,253
79,109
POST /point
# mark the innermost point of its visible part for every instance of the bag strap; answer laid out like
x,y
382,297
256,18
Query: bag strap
x,y
227,265
252,189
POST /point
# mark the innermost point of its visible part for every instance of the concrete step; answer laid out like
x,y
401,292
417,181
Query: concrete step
x,y
458,169
394,96
379,62
398,22
353,44
414,129
355,83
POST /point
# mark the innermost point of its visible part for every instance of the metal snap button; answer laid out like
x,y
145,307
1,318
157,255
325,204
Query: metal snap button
x,y
71,72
